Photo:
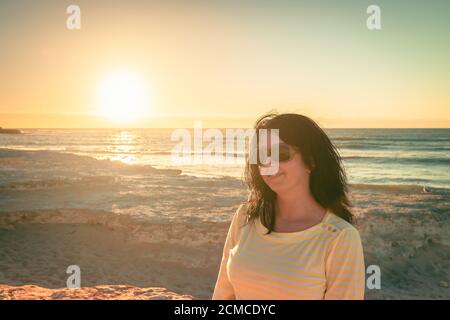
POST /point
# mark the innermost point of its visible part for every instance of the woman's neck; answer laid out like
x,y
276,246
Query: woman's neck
x,y
298,205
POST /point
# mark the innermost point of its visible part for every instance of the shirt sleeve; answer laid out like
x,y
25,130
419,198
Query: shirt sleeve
x,y
223,289
345,269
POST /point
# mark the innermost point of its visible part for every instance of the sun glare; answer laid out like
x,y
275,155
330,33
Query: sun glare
x,y
124,97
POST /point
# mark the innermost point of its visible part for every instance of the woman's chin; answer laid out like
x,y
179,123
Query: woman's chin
x,y
275,181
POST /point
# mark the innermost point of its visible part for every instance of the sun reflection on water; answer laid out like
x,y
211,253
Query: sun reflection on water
x,y
124,147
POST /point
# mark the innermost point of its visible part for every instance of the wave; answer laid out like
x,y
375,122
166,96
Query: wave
x,y
401,160
391,139
348,138
390,147
353,146
79,151
417,149
399,187
52,160
155,153
56,182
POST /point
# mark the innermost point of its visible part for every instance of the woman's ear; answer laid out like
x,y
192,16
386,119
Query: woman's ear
x,y
312,165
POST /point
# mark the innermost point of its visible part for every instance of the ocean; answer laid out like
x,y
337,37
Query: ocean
x,y
386,157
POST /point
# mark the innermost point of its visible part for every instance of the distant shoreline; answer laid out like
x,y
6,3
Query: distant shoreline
x,y
10,131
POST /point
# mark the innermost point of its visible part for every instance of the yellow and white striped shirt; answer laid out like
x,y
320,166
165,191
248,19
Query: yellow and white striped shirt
x,y
325,261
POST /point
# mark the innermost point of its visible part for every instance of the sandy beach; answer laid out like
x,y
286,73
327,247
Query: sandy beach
x,y
411,248
137,226
38,246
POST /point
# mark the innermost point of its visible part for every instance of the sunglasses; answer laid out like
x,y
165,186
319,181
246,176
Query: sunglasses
x,y
285,153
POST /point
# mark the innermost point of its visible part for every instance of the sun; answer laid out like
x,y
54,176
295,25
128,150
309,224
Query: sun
x,y
123,97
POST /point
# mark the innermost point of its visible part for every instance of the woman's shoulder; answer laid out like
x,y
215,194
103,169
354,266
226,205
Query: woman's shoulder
x,y
341,227
238,222
241,214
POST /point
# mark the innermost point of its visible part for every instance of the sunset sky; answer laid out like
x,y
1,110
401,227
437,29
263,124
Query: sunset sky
x,y
224,62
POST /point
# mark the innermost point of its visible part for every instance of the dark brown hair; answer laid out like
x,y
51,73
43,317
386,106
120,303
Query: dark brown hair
x,y
328,183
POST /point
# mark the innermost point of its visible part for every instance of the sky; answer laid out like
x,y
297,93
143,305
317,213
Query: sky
x,y
170,62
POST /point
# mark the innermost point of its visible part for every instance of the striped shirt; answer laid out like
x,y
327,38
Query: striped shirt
x,y
322,262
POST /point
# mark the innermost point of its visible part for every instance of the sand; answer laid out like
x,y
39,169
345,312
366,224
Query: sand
x,y
37,247
408,241
30,292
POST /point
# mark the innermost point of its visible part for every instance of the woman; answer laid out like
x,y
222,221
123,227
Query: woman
x,y
293,239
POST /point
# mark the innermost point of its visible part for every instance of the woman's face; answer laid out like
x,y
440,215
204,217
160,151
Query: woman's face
x,y
291,174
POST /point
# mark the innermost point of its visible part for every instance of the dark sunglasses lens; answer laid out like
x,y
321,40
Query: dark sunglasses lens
x,y
284,153
262,154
